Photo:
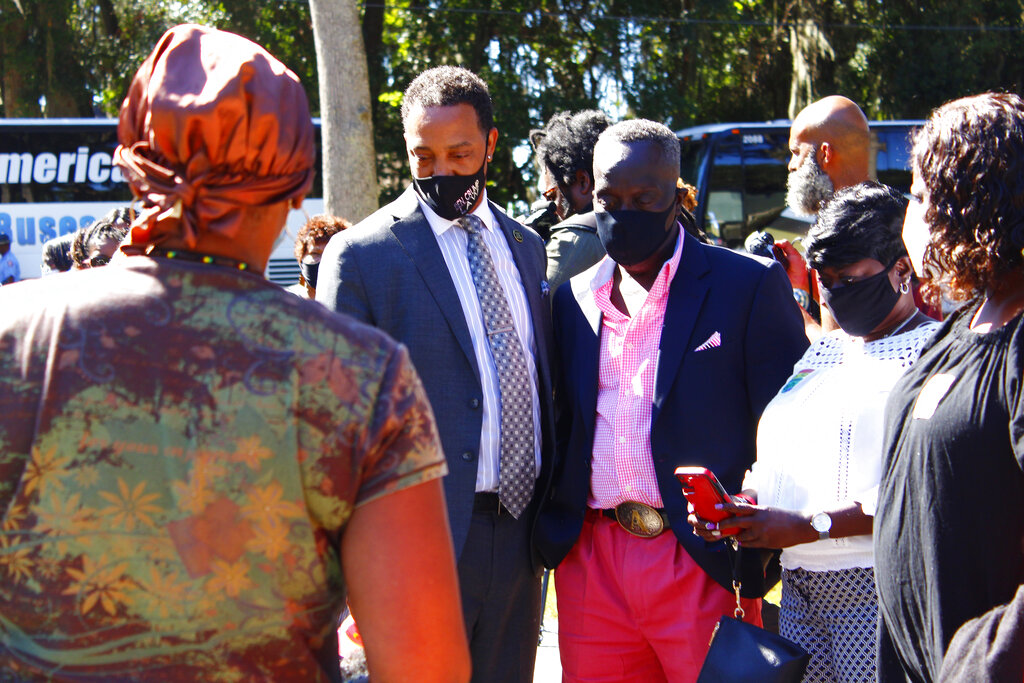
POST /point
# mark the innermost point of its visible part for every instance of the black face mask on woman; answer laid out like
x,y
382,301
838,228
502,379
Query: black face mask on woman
x,y
861,306
309,270
451,196
631,237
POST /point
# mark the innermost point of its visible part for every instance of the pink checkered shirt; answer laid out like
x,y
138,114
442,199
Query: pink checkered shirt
x,y
622,467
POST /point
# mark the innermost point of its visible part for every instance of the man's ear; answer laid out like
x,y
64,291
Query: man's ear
x,y
584,183
492,141
826,156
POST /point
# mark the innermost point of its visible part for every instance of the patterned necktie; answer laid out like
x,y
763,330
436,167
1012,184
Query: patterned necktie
x,y
518,460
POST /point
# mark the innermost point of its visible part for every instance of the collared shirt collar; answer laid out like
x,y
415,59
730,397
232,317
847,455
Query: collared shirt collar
x,y
440,225
607,266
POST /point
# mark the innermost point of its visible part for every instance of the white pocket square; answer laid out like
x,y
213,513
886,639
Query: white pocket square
x,y
713,341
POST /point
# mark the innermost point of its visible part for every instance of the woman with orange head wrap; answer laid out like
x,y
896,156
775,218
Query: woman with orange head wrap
x,y
194,464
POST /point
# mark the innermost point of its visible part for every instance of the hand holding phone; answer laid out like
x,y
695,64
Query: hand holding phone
x,y
703,491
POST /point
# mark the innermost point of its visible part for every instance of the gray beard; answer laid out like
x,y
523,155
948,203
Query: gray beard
x,y
808,187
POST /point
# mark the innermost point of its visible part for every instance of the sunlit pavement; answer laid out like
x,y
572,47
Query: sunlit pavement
x,y
548,670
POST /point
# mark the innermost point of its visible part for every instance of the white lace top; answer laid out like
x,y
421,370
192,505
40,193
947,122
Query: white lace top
x,y
819,441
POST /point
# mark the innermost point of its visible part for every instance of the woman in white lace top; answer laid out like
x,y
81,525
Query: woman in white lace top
x,y
812,490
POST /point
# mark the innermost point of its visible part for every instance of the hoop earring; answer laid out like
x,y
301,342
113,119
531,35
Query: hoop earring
x,y
904,286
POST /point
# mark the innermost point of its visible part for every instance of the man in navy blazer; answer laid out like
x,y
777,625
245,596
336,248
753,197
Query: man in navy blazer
x,y
668,351
404,269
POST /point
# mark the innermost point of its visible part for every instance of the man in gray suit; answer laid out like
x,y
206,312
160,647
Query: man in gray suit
x,y
448,274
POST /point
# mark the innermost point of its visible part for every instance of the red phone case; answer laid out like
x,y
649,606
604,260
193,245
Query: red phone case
x,y
703,491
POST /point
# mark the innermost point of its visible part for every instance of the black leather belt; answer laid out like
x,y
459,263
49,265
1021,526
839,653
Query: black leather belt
x,y
487,502
638,519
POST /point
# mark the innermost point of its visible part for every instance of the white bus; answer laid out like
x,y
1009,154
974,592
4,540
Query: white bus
x,y
57,175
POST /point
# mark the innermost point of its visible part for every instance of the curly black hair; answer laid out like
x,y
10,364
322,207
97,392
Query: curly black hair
x,y
566,144
57,253
970,157
114,226
319,228
446,86
858,222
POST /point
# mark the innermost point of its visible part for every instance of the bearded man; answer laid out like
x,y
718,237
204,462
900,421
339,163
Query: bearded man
x,y
830,143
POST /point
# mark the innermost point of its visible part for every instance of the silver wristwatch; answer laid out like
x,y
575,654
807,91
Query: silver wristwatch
x,y
821,523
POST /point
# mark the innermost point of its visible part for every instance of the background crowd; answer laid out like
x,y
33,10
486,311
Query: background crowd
x,y
201,472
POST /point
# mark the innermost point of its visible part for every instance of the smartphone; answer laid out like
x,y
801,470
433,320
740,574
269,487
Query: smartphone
x,y
703,491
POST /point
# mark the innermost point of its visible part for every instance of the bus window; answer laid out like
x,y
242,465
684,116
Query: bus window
x,y
892,162
765,157
723,208
692,154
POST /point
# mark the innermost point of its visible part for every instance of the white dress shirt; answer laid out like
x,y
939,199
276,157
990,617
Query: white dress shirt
x,y
453,241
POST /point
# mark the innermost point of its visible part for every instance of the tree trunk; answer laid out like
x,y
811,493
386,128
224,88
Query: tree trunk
x,y
39,60
349,165
21,89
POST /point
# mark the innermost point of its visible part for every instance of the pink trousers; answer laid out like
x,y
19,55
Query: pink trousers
x,y
636,609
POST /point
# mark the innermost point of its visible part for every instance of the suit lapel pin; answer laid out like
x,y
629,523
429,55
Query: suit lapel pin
x,y
518,235
545,288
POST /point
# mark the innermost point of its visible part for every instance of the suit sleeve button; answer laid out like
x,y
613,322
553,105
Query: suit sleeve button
x,y
467,455
474,403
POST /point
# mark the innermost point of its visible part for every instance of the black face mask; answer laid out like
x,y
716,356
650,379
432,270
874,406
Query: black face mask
x,y
451,196
309,271
861,306
631,237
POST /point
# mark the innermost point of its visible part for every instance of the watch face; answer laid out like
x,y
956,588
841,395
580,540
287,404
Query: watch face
x,y
821,522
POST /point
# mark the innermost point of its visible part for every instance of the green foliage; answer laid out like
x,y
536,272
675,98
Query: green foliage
x,y
114,37
683,62
916,70
629,57
284,28
105,41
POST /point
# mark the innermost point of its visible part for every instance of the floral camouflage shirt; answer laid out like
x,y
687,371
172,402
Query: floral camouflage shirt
x,y
180,449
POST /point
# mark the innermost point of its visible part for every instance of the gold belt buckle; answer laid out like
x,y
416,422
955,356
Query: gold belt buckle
x,y
639,519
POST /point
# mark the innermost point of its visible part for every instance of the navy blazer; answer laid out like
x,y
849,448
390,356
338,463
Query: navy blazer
x,y
706,403
388,271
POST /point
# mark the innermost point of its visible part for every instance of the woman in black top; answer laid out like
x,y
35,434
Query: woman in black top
x,y
950,520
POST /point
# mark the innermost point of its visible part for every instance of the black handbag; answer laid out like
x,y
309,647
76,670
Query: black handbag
x,y
743,653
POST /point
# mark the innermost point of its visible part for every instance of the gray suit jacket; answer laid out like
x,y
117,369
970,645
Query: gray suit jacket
x,y
388,271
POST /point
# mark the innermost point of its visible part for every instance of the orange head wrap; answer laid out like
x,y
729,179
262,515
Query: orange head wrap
x,y
212,123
